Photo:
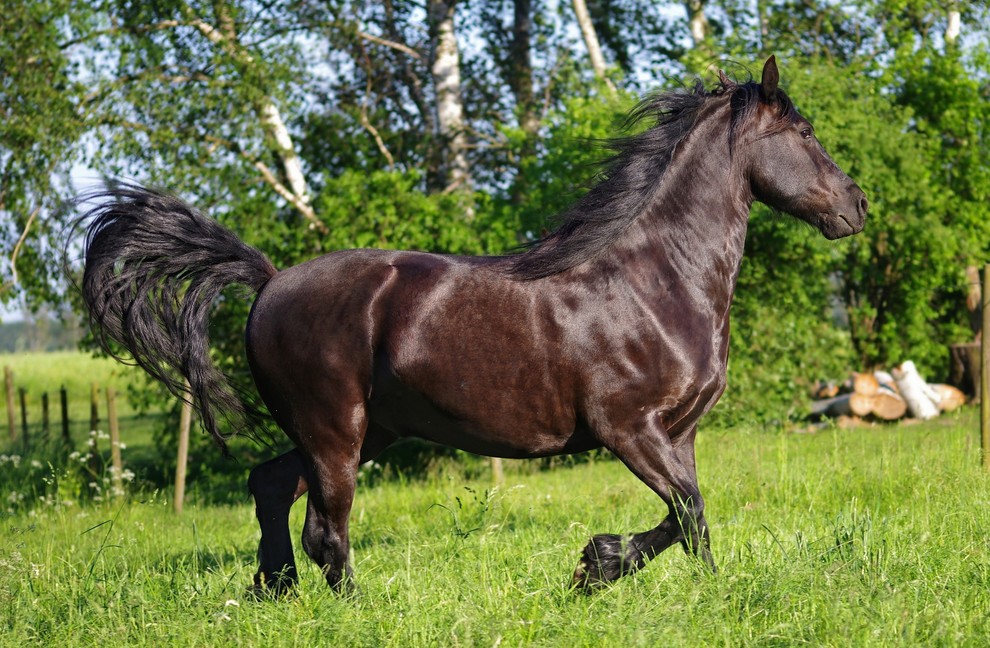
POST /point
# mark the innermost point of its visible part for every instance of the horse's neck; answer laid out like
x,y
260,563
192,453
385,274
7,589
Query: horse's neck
x,y
694,230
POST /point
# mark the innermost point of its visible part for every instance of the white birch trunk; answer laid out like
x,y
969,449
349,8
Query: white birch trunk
x,y
297,193
591,42
446,72
954,26
697,21
274,125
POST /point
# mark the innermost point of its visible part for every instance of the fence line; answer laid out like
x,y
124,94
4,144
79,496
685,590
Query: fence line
x,y
25,435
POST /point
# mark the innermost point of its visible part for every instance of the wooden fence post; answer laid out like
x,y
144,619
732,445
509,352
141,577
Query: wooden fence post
x,y
64,397
185,422
95,461
45,420
498,474
8,378
117,470
22,393
985,379
94,407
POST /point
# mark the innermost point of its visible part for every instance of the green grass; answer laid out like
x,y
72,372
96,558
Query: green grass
x,y
77,372
863,537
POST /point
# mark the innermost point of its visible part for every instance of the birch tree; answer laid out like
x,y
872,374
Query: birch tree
x,y
590,37
697,21
445,68
224,37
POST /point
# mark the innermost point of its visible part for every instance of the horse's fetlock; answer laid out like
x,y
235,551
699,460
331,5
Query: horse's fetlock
x,y
607,557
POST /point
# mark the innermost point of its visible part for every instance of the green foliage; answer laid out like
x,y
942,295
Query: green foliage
x,y
389,209
40,131
175,93
573,149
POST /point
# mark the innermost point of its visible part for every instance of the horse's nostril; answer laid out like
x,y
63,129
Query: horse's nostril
x,y
864,204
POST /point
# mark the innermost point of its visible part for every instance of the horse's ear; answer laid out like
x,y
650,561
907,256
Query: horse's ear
x,y
768,85
724,80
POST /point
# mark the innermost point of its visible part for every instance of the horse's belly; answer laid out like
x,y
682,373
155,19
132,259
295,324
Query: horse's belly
x,y
407,412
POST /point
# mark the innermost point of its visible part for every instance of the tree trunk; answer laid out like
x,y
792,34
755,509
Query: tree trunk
x,y
965,369
954,25
697,21
521,81
224,36
591,42
445,68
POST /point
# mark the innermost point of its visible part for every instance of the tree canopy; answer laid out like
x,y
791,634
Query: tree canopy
x,y
463,126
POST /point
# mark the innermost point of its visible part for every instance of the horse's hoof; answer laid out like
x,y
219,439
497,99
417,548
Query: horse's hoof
x,y
585,578
266,590
605,559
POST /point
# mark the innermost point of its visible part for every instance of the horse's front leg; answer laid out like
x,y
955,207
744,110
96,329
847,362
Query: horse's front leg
x,y
669,470
276,485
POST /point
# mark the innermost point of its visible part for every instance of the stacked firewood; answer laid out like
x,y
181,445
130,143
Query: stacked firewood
x,y
886,396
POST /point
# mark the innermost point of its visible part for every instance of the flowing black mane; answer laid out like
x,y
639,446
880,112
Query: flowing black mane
x,y
632,175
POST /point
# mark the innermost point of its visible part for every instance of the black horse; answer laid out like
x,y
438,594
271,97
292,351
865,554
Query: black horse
x,y
612,331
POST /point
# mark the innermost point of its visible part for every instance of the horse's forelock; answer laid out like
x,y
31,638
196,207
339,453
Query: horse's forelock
x,y
746,100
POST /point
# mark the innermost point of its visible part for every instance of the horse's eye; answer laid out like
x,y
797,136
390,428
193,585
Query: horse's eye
x,y
807,133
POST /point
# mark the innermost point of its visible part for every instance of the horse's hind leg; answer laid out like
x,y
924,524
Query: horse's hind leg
x,y
670,471
325,534
334,455
276,485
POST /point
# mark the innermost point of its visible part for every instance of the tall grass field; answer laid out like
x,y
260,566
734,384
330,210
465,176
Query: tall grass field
x,y
872,536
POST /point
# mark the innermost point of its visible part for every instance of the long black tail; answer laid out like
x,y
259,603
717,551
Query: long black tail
x,y
154,265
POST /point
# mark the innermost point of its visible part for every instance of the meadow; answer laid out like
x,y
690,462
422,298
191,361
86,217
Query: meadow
x,y
39,373
841,537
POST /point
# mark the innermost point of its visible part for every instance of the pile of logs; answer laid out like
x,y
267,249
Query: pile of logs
x,y
886,396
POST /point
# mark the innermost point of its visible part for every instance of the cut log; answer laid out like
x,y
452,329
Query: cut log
x,y
875,396
950,398
920,398
884,379
865,384
825,389
861,404
888,405
832,407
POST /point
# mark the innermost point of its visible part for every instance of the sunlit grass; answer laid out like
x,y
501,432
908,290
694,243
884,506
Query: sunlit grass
x,y
872,536
77,372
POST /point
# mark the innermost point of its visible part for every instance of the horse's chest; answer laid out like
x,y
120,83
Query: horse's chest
x,y
674,364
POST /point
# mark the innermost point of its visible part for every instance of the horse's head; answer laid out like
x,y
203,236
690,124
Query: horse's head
x,y
788,168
